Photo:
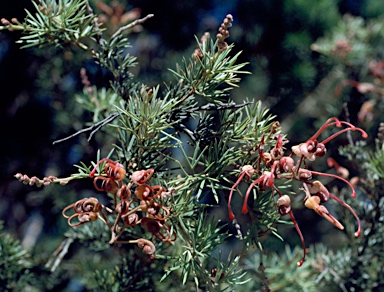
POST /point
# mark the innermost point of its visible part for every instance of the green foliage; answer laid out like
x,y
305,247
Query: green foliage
x,y
201,237
279,274
144,128
313,14
15,263
353,40
94,236
372,9
204,76
111,55
194,140
132,274
356,265
375,161
58,23
98,101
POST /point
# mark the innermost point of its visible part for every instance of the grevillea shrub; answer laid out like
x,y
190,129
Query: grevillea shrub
x,y
184,149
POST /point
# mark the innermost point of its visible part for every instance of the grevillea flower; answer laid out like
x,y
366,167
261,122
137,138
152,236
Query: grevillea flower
x,y
147,208
114,170
247,171
278,166
148,247
86,210
161,231
141,176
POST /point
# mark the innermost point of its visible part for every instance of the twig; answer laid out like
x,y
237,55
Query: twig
x,y
238,229
209,106
347,117
61,251
94,21
338,280
130,25
212,106
94,128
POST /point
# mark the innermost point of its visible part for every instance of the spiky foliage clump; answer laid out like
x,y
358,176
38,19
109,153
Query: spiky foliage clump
x,y
178,149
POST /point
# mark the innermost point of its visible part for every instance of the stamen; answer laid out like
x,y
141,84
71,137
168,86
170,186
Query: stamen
x,y
272,176
300,263
353,195
326,125
261,147
313,203
230,213
363,134
357,233
279,142
244,210
92,174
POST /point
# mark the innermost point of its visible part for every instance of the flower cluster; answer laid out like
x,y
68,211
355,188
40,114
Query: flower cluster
x,y
134,204
14,24
285,167
197,54
222,35
224,32
34,180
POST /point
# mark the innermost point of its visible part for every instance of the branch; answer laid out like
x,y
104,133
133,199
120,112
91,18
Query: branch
x,y
94,21
94,128
206,107
60,252
132,24
212,106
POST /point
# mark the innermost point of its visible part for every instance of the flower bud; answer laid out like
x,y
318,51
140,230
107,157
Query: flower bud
x,y
284,204
91,205
124,192
107,185
151,225
148,247
312,202
143,192
116,171
87,217
286,163
304,174
131,220
18,176
318,189
248,169
83,218
122,207
5,21
320,150
306,149
267,158
63,182
141,176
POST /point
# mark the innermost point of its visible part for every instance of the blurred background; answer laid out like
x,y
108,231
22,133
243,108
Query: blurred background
x,y
301,85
